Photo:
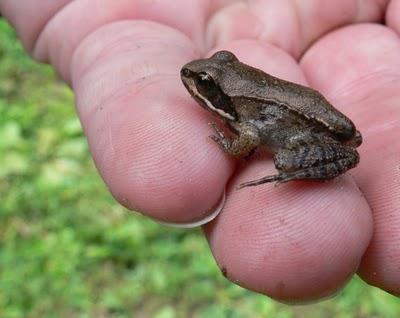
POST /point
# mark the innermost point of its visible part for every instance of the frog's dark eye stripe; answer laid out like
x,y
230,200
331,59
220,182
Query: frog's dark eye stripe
x,y
213,97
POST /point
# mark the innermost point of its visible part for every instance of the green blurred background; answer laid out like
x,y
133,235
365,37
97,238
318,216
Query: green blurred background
x,y
68,250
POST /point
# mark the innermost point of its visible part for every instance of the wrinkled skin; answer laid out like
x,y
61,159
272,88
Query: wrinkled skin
x,y
295,242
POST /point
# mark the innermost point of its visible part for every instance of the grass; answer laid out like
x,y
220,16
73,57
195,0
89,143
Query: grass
x,y
68,250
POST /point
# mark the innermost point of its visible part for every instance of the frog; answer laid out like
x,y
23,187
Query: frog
x,y
307,136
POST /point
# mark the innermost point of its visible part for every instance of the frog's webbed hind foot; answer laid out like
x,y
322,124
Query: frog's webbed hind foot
x,y
323,172
319,162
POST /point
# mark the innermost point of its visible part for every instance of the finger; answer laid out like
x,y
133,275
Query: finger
x,y
54,29
362,78
298,241
30,17
147,136
393,15
144,131
290,25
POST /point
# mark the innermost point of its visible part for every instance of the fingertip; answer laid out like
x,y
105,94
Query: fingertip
x,y
212,214
297,243
159,162
147,137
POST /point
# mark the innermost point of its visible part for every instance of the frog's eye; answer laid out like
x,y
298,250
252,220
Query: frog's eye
x,y
206,85
225,56
205,77
205,81
211,95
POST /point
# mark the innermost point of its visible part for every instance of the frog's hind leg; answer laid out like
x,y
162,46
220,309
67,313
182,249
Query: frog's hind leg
x,y
314,162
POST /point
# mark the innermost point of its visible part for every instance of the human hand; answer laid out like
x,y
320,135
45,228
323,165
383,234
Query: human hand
x,y
298,241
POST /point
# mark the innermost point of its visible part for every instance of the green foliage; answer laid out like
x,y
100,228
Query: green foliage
x,y
68,250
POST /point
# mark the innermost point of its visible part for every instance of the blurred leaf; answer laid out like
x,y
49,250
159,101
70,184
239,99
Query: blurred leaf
x,y
12,163
165,312
10,135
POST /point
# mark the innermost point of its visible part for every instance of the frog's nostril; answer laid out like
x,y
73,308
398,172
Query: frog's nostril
x,y
185,72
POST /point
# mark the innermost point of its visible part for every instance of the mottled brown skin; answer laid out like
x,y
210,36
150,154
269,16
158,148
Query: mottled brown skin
x,y
309,138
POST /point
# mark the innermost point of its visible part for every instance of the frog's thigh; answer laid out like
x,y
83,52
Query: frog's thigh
x,y
315,162
308,155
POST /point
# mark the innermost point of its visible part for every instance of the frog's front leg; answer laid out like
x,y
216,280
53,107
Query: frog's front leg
x,y
241,146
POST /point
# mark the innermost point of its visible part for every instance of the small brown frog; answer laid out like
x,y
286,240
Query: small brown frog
x,y
308,137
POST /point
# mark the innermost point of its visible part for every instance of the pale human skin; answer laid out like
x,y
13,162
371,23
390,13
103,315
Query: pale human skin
x,y
296,242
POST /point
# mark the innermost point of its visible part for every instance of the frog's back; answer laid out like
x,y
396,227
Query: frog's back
x,y
303,100
314,106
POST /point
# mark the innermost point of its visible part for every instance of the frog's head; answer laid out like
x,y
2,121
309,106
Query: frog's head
x,y
203,78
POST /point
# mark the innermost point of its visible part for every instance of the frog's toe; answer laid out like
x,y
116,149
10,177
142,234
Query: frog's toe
x,y
278,178
217,130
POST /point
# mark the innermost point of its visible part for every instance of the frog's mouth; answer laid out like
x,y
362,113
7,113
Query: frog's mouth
x,y
356,141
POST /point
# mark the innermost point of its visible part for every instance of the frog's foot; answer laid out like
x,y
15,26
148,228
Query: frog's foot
x,y
317,162
266,179
323,172
219,137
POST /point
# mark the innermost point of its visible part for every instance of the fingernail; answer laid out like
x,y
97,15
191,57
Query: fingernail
x,y
201,222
